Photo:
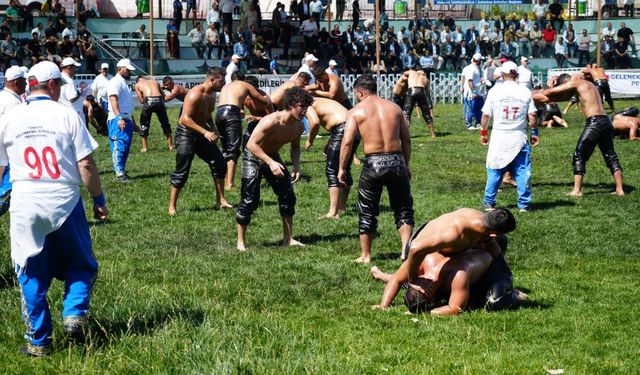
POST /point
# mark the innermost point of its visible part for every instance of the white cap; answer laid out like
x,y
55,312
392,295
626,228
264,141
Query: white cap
x,y
25,70
68,61
42,72
477,57
310,57
523,58
13,73
104,66
333,63
508,66
236,56
125,63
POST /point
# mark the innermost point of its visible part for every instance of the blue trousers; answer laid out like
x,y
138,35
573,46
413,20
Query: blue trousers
x,y
5,183
520,167
67,255
473,111
465,102
120,143
105,105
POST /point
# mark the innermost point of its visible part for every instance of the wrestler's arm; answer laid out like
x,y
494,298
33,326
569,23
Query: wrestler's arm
x,y
333,90
161,91
172,94
295,159
350,131
405,139
139,94
555,94
458,298
190,102
314,127
255,146
257,96
392,288
421,247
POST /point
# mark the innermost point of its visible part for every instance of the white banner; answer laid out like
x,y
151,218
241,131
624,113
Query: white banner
x,y
623,83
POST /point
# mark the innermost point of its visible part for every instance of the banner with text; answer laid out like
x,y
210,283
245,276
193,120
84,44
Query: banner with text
x,y
623,83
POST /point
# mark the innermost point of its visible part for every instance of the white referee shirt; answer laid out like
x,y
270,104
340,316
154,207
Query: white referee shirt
x,y
69,92
8,100
470,72
42,140
524,77
99,86
509,105
118,87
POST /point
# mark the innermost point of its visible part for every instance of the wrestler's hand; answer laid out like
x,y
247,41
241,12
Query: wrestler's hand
x,y
121,124
277,169
342,176
295,176
210,136
307,145
535,140
100,213
484,139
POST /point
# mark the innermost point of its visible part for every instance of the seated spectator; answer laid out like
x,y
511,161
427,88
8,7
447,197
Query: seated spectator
x,y
549,38
143,47
486,48
51,29
196,36
510,34
409,60
449,50
523,41
51,52
584,41
260,62
59,18
535,38
4,29
46,8
335,39
242,51
607,50
464,54
274,66
34,48
66,47
506,49
569,36
496,40
213,40
560,52
353,63
226,43
13,14
309,30
391,63
9,52
426,63
621,48
69,31
457,36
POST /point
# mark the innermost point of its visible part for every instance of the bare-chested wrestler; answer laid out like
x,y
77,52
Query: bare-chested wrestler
x,y
457,231
261,158
597,75
331,115
173,91
400,90
277,96
196,135
329,86
387,147
419,93
598,130
151,96
626,123
470,278
229,122
257,109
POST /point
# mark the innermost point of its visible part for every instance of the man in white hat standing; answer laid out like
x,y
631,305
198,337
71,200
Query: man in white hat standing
x,y
99,86
309,62
120,120
49,232
232,68
524,74
510,105
332,68
471,92
70,95
10,96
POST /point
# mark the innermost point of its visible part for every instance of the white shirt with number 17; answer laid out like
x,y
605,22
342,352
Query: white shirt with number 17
x,y
509,105
43,141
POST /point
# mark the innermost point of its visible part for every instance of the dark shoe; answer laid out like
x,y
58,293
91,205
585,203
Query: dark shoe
x,y
123,178
35,350
76,327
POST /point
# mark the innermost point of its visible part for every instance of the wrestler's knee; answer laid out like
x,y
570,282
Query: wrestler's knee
x,y
631,111
144,130
613,162
287,204
367,223
578,164
179,179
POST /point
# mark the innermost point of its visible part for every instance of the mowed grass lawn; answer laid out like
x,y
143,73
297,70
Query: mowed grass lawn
x,y
174,296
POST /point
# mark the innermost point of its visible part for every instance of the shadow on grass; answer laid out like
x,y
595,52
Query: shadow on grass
x,y
142,323
149,176
443,134
312,239
529,304
7,280
388,256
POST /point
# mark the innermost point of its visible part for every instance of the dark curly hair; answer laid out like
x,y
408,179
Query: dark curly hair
x,y
296,95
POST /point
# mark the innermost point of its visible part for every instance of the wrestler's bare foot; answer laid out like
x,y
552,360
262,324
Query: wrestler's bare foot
x,y
362,260
618,192
171,148
143,150
172,211
574,193
292,242
329,215
433,135
223,205
510,182
230,188
241,247
375,272
520,295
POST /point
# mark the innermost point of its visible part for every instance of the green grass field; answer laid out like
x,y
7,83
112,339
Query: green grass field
x,y
174,296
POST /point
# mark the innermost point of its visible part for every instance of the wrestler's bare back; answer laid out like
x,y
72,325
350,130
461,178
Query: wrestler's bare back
x,y
330,113
379,123
274,131
458,229
417,78
149,87
198,105
236,92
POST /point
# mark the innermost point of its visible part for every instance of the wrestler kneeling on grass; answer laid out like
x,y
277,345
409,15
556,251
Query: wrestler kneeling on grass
x,y
261,158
